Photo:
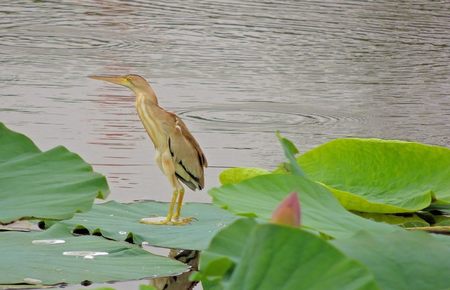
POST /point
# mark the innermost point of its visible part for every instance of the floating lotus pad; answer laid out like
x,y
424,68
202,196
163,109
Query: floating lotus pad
x,y
52,185
120,222
56,256
381,176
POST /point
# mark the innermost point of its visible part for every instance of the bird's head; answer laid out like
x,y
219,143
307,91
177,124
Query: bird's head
x,y
131,81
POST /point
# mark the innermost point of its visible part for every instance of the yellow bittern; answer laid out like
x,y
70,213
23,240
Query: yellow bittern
x,y
178,154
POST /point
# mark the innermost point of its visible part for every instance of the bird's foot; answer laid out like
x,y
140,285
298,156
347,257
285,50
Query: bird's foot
x,y
161,220
182,221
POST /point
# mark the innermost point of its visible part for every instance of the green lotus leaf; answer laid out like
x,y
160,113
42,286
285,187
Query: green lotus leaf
x,y
120,222
56,256
402,260
238,174
260,195
277,257
381,176
52,185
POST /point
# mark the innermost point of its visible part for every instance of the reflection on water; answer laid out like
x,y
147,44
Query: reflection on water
x,y
236,71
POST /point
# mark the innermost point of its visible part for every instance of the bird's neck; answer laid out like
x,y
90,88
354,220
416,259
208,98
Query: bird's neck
x,y
146,94
147,107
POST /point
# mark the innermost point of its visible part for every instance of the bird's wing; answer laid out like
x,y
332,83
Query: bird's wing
x,y
187,154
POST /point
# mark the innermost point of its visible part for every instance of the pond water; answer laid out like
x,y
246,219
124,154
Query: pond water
x,y
235,71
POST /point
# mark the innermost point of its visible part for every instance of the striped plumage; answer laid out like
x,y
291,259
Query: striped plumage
x,y
171,134
178,154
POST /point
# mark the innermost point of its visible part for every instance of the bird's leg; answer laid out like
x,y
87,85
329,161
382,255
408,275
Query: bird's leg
x,y
179,204
176,218
173,218
177,196
167,166
169,219
172,205
170,214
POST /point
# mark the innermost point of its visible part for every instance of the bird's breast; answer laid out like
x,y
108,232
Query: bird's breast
x,y
150,124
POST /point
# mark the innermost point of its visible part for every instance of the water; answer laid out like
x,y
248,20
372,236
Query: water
x,y
85,254
47,242
235,71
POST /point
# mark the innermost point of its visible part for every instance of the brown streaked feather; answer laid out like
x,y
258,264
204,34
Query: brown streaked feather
x,y
191,139
188,156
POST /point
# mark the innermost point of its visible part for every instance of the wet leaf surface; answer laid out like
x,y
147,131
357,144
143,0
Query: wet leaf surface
x,y
32,258
120,222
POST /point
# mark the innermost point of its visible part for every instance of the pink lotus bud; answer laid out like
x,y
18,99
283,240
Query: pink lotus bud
x,y
288,211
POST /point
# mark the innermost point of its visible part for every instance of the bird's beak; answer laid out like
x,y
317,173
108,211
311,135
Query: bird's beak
x,y
119,80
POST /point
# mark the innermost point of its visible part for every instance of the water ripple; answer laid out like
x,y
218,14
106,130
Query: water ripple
x,y
264,116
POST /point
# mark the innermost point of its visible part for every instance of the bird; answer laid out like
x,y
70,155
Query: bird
x,y
177,153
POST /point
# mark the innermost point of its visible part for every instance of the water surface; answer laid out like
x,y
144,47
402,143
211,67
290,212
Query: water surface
x,y
235,71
